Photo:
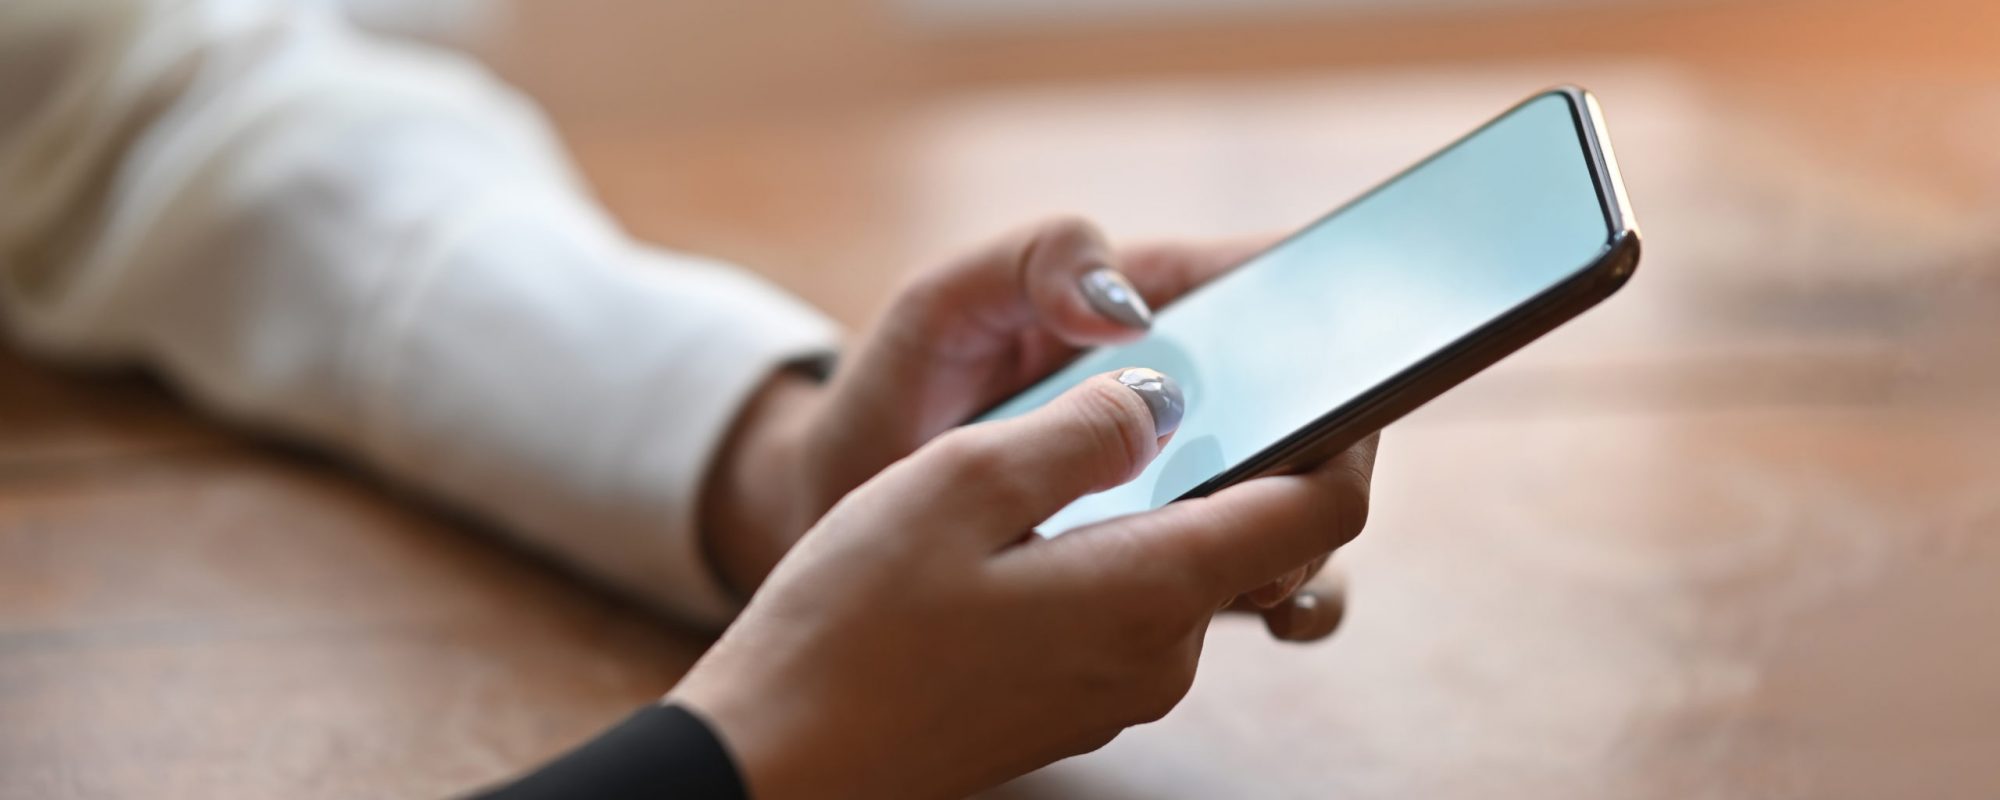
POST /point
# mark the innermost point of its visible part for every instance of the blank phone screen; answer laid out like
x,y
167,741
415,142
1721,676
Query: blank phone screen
x,y
1356,298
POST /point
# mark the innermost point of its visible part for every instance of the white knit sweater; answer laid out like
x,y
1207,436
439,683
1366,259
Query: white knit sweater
x,y
373,247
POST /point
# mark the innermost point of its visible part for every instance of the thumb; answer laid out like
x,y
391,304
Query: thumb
x,y
1075,290
1059,277
960,338
1006,476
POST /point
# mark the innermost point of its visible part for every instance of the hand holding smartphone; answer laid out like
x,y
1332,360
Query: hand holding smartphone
x,y
1376,308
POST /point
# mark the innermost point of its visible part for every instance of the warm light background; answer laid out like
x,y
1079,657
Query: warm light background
x,y
833,142
1733,535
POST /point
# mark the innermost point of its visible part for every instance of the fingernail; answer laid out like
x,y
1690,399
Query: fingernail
x,y
1162,396
1113,296
1298,616
1304,606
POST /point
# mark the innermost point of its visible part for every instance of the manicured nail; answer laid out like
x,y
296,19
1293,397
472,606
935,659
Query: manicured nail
x,y
1296,617
1113,296
1304,606
1162,396
1313,617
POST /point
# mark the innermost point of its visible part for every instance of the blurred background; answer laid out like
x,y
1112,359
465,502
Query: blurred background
x,y
1735,534
830,141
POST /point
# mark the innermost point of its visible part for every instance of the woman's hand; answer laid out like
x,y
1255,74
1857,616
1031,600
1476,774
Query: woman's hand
x,y
921,642
955,341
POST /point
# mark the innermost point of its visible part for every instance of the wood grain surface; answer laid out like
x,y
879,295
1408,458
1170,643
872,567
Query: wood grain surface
x,y
1734,534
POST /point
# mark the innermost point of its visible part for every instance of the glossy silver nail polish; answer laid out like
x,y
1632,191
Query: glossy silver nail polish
x,y
1162,395
1112,295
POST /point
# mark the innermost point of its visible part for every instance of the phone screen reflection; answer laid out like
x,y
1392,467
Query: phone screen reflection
x,y
1354,299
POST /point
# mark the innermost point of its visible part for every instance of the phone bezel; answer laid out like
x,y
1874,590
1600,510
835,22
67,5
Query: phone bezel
x,y
1347,424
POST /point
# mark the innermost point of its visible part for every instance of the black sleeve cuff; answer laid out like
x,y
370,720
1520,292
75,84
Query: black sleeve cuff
x,y
663,751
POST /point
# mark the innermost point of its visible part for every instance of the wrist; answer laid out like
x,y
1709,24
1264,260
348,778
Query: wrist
x,y
784,748
751,511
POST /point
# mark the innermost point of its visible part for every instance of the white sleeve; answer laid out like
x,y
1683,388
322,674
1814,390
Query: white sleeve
x,y
373,247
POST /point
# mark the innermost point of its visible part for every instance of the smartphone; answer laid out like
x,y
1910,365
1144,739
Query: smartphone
x,y
1376,308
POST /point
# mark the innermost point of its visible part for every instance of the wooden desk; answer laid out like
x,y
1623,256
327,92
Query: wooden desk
x,y
1732,535
184,613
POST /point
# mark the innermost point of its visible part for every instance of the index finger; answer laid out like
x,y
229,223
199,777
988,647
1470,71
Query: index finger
x,y
1246,535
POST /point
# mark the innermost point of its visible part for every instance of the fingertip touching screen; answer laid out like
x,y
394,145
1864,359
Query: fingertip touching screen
x,y
1354,299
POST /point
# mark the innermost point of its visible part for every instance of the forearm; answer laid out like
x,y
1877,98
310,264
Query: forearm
x,y
377,250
